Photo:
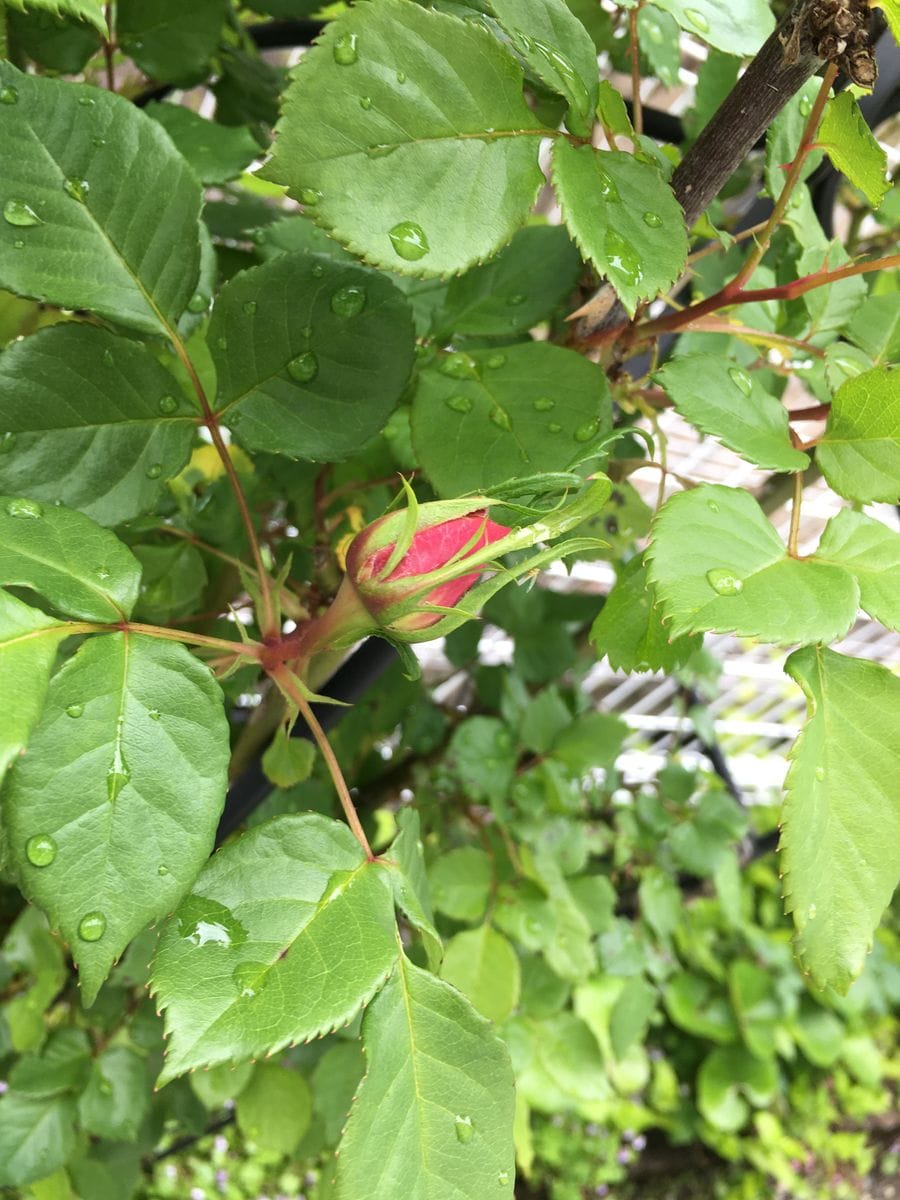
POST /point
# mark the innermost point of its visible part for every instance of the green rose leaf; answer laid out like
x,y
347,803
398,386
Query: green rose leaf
x,y
629,630
389,172
717,564
83,173
735,26
725,1078
311,355
216,152
28,645
275,1108
723,399
410,883
83,570
170,41
480,419
460,883
624,217
871,553
559,50
860,451
37,1135
79,10
92,420
853,148
117,1096
485,967
289,930
841,818
429,1055
113,810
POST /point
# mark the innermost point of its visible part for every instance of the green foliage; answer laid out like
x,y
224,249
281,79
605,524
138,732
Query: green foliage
x,y
852,147
860,451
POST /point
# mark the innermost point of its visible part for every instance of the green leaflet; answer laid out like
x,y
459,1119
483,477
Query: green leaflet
x,y
37,1135
479,419
275,1107
721,398
558,49
170,41
83,228
871,553
410,883
81,10
430,1056
117,1096
841,817
717,564
485,967
28,644
289,930
390,172
216,152
629,631
852,147
92,420
83,570
860,452
728,1075
735,26
124,778
624,217
311,355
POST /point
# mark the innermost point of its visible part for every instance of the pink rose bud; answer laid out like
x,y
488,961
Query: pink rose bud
x,y
431,548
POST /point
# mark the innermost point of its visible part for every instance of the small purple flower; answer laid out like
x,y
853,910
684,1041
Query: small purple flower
x,y
170,1171
639,1142
623,1156
592,1130
197,1193
601,1189
221,1179
4,1086
220,1144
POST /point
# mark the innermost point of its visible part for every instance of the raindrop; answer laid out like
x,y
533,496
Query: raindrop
x,y
622,258
811,912
86,101
365,103
103,573
517,298
198,303
543,404
154,471
503,1178
17,212
9,95
249,977
654,220
162,869
118,774
7,441
500,418
75,711
310,197
98,141
741,380
697,19
168,404
382,149
458,366
725,582
654,33
409,241
465,1130
459,404
304,367
496,360
222,343
24,508
345,51
19,244
712,506
249,307
401,77
77,189
107,358
154,714
606,187
587,431
805,106
554,427
205,922
40,850
92,927
307,331
820,774
317,271
348,301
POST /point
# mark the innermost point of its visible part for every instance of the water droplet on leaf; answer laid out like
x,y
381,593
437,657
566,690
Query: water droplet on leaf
x,y
86,101
9,95
75,711
154,471
222,343
654,220
465,1130
24,508
503,1178
382,149
725,582
77,189
154,714
459,404
345,51
17,212
92,927
317,271
500,418
310,197
107,358
543,404
162,869
622,258
712,506
409,241
40,850
304,367
401,77
249,978
458,366
168,404
7,441
496,360
348,301
205,922
365,103
606,187
118,774
587,431
517,298
249,307
820,774
811,912
198,303
554,427
805,106
741,380
697,19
